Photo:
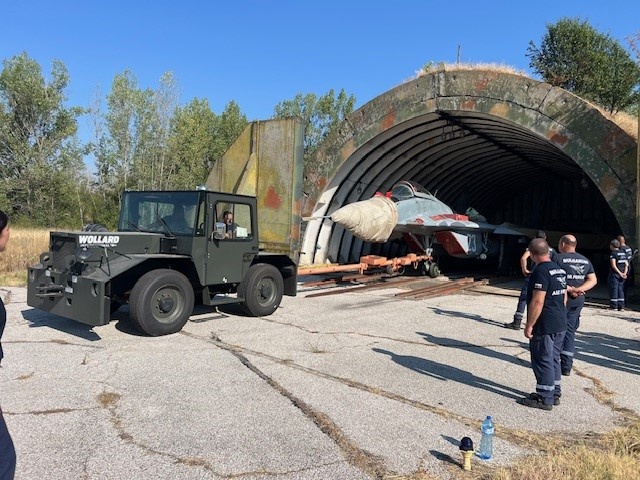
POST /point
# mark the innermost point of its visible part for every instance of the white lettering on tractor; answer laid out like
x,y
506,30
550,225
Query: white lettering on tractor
x,y
98,240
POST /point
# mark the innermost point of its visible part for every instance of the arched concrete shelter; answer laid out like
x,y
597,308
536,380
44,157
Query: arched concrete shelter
x,y
514,149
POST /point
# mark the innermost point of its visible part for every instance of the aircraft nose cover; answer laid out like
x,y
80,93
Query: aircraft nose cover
x,y
370,220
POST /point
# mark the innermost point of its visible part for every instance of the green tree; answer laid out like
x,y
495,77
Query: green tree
x,y
131,138
574,56
39,150
228,126
322,115
191,143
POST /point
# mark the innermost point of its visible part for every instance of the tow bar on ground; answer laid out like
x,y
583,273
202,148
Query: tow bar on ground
x,y
375,262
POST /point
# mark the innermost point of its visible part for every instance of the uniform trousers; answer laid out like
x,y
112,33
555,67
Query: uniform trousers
x,y
616,291
522,302
569,344
545,361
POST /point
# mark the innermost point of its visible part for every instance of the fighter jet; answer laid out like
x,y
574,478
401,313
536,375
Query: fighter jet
x,y
410,211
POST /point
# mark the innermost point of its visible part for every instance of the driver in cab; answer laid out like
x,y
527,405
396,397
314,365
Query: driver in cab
x,y
229,225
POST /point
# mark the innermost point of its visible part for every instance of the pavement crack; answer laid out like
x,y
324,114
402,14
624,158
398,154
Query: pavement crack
x,y
109,400
57,341
51,411
524,439
365,461
605,396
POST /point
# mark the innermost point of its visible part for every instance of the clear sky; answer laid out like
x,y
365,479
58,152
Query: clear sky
x,y
260,52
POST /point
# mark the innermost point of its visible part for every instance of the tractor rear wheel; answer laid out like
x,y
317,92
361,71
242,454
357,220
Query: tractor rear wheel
x,y
262,290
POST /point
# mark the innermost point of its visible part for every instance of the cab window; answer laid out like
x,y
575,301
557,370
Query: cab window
x,y
233,220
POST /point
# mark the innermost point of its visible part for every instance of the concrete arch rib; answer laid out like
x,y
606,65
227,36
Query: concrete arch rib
x,y
515,149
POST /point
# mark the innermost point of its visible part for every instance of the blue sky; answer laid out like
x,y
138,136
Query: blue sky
x,y
259,53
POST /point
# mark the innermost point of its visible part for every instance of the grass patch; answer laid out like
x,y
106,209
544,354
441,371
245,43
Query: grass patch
x,y
613,455
24,249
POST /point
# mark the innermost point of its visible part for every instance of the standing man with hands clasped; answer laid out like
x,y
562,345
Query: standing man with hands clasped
x,y
581,277
618,269
546,325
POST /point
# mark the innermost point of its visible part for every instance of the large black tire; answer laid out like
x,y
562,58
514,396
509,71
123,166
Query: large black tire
x,y
161,302
262,290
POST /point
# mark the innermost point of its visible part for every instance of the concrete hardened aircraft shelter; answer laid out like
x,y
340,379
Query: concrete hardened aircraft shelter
x,y
513,148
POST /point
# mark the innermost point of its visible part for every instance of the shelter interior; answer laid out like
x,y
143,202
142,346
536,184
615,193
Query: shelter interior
x,y
475,160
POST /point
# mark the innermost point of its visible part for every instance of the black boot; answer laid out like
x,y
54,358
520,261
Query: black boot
x,y
515,325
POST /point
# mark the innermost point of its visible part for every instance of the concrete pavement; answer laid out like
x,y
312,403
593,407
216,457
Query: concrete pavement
x,y
356,385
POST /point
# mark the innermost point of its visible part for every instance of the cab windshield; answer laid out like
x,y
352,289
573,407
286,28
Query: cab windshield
x,y
170,213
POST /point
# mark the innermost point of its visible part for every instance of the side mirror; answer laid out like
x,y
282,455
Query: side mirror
x,y
219,231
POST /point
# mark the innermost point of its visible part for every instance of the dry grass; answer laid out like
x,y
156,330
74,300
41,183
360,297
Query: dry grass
x,y
24,249
616,455
626,121
452,67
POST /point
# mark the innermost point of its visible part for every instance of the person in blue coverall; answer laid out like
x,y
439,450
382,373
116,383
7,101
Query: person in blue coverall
x,y
546,326
618,269
581,278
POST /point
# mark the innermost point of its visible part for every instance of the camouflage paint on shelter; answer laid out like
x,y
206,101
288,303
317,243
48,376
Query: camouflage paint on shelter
x,y
513,148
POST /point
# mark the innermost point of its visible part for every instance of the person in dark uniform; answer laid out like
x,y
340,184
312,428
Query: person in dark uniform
x,y
546,325
581,278
526,265
618,269
629,253
7,450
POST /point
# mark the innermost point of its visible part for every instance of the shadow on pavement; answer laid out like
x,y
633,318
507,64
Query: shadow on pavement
x,y
472,348
604,350
38,318
447,373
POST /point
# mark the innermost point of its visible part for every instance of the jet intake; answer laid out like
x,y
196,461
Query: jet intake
x,y
370,220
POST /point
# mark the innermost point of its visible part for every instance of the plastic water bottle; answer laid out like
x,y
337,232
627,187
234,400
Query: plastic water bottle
x,y
486,442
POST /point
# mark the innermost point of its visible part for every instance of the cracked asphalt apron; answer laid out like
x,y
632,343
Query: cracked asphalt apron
x,y
349,386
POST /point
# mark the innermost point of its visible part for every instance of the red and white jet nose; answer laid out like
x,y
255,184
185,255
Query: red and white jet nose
x,y
370,220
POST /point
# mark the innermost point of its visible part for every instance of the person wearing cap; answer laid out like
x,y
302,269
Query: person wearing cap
x,y
526,271
546,325
581,277
618,269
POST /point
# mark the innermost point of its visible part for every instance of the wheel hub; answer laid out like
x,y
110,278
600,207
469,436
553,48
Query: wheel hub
x,y
166,304
265,290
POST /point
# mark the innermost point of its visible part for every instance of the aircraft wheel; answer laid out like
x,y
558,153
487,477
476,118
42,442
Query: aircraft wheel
x,y
434,270
262,290
161,302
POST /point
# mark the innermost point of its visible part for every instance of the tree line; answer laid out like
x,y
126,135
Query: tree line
x,y
142,139
145,139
